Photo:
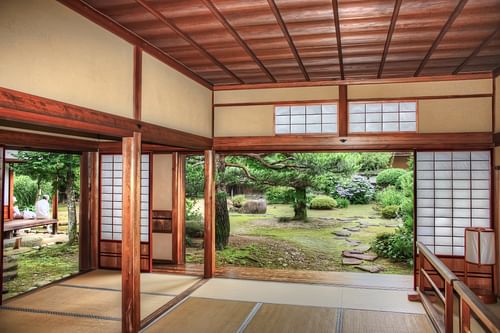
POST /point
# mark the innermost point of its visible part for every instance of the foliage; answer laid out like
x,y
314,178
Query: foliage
x,y
222,225
390,196
26,189
238,200
323,202
280,195
195,176
389,177
390,212
397,246
192,211
194,229
358,190
374,161
342,203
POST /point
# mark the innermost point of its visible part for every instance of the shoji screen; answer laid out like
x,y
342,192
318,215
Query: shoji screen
x,y
111,197
453,192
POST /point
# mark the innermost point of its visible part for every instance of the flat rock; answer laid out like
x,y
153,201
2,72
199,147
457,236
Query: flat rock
x,y
353,229
342,233
351,261
370,268
363,226
361,256
346,219
363,248
353,241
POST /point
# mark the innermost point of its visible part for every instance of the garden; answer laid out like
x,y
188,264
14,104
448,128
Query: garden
x,y
307,211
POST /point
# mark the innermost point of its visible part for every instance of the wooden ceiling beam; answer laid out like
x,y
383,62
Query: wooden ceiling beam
x,y
456,12
477,50
288,38
217,14
335,6
395,14
169,23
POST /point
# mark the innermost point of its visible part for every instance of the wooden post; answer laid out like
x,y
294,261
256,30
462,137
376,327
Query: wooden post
x,y
11,193
464,316
342,111
55,204
131,241
2,168
448,307
178,207
94,210
84,218
209,238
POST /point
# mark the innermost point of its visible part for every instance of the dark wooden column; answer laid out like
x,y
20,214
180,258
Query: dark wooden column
x,y
342,111
94,209
209,238
178,207
85,219
131,242
2,168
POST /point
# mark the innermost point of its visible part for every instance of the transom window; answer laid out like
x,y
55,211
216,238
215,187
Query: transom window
x,y
111,197
382,117
453,192
306,119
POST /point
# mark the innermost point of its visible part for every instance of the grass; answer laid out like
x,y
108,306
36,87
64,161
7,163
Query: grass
x,y
42,266
264,241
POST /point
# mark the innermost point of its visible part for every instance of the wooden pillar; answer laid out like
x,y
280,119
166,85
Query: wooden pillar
x,y
448,307
209,238
55,204
94,209
131,241
84,218
342,111
178,207
2,173
11,193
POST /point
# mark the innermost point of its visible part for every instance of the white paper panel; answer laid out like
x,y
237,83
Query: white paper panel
x,y
330,118
329,128
391,117
282,110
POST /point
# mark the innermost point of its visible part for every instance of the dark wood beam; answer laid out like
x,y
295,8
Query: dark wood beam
x,y
496,139
169,23
131,240
217,14
395,14
114,27
496,72
343,120
26,140
2,182
21,109
336,18
476,50
382,142
178,207
137,83
94,209
456,12
84,222
288,38
209,235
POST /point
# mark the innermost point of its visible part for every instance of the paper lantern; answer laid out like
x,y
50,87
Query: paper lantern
x,y
480,246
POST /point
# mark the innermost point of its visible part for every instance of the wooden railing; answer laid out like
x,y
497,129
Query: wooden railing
x,y
469,302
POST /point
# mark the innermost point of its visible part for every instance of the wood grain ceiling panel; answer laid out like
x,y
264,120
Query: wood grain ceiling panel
x,y
268,41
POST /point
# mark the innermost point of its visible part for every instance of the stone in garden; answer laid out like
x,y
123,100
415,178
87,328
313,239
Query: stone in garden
x,y
351,261
254,207
372,217
353,241
370,268
346,219
353,229
361,256
363,226
363,248
342,233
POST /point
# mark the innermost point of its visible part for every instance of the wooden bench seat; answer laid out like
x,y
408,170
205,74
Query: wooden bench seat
x,y
11,226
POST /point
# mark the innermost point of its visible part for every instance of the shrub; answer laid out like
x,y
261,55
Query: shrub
x,y
238,200
389,177
397,246
280,195
25,191
390,196
390,212
194,229
358,190
342,203
192,212
323,202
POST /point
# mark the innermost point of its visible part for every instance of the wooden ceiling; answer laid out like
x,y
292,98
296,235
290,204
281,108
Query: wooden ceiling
x,y
227,42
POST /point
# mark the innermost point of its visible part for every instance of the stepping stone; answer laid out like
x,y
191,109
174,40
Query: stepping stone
x,y
10,266
8,276
342,233
363,223
372,217
363,226
352,241
351,261
346,219
362,248
370,268
353,229
361,256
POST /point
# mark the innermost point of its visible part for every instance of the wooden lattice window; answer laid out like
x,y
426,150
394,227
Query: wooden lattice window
x,y
382,117
306,119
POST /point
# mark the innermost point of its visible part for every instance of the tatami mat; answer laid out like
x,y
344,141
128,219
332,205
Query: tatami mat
x,y
277,318
359,321
25,322
198,315
104,303
168,284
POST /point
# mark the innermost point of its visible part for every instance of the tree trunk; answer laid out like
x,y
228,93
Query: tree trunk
x,y
300,204
222,226
70,197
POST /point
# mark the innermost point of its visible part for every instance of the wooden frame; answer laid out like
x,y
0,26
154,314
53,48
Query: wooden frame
x,y
85,221
209,235
137,83
2,172
178,208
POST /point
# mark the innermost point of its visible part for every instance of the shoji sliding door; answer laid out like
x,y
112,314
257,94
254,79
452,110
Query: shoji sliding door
x,y
111,211
453,191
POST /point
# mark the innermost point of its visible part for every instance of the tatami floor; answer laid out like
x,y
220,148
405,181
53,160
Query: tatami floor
x,y
91,303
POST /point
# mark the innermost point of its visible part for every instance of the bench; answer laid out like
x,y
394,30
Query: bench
x,y
11,226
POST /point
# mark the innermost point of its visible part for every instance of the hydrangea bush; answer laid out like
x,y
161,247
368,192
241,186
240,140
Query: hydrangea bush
x,y
358,190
